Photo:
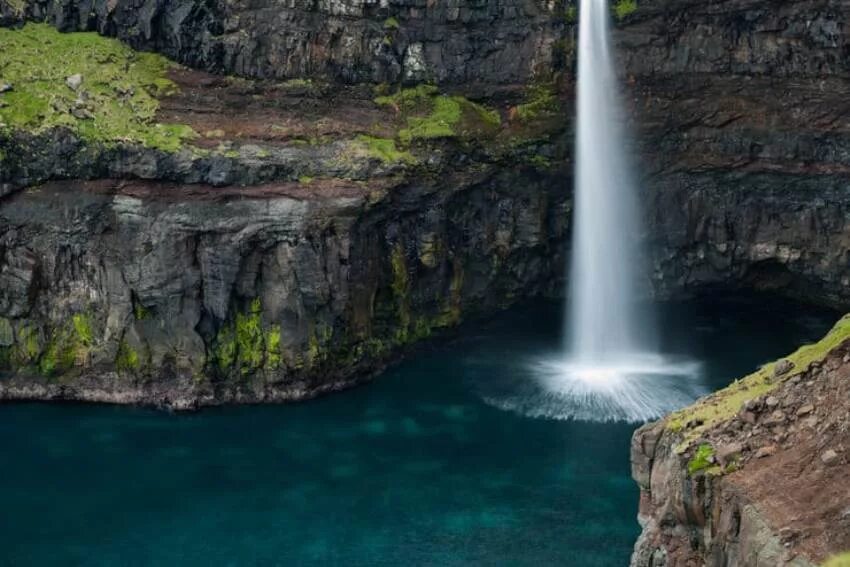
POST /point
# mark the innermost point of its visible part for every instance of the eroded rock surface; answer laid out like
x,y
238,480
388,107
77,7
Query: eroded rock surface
x,y
753,483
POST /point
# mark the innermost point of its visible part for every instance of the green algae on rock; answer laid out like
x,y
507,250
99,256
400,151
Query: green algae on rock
x,y
97,87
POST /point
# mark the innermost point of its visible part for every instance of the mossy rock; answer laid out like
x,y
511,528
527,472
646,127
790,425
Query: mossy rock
x,y
724,404
430,115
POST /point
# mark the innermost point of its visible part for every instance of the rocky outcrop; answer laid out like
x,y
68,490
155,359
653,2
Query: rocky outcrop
x,y
141,292
342,40
710,489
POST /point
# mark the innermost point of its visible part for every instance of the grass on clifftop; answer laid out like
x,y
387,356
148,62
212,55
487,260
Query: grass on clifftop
x,y
725,403
116,101
842,560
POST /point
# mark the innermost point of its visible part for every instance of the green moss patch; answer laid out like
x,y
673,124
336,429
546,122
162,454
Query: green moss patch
x,y
431,115
244,343
541,101
68,346
127,359
116,100
383,149
693,421
702,459
623,8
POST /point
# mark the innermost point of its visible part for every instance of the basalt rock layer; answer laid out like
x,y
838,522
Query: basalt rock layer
x,y
349,40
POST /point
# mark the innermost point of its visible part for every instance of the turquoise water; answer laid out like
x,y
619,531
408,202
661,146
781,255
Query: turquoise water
x,y
413,469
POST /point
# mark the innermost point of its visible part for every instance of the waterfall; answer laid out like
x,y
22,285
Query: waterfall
x,y
601,313
608,370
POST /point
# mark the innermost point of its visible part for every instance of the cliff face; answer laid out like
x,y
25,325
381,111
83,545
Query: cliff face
x,y
274,293
711,492
203,238
740,112
343,40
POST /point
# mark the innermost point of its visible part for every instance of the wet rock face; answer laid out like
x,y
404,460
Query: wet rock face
x,y
136,294
345,40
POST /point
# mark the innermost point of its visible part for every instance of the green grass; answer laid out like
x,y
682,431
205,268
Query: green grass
x,y
725,403
571,15
624,8
540,102
431,115
383,149
702,459
121,86
391,24
840,560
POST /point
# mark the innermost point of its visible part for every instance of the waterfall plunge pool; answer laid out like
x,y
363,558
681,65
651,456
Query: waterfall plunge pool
x,y
412,469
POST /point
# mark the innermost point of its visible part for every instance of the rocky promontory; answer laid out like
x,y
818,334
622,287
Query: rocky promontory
x,y
755,475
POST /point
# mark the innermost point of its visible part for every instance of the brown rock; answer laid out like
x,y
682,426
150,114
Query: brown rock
x,y
805,410
748,417
829,457
783,367
771,402
775,418
766,451
729,452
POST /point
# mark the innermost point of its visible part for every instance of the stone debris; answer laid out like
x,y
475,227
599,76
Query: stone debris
x,y
829,457
805,410
729,453
74,82
783,367
5,87
766,451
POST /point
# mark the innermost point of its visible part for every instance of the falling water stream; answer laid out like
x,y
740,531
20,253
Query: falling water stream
x,y
609,369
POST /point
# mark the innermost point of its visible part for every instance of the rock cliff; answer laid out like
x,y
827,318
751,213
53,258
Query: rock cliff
x,y
755,475
179,237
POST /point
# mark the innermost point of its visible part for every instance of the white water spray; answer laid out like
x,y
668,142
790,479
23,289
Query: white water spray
x,y
610,372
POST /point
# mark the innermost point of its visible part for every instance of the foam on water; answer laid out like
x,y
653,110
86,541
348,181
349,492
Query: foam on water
x,y
635,389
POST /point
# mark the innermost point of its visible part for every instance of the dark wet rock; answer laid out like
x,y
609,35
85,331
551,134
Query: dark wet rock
x,y
138,293
348,41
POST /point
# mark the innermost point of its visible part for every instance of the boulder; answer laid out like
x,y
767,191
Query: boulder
x,y
783,367
74,82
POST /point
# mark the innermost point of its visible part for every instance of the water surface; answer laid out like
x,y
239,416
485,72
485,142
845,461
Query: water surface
x,y
413,469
